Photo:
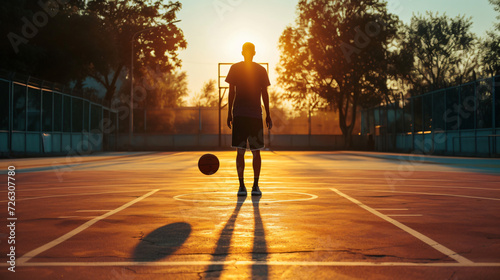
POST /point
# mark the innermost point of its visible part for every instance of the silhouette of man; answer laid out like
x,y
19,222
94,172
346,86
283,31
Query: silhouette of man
x,y
248,82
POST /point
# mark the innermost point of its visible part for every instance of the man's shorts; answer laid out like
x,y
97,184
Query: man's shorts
x,y
248,129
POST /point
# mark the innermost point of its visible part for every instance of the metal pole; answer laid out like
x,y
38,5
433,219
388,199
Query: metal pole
x,y
11,114
131,116
422,111
71,121
40,121
218,83
309,122
220,122
475,118
494,105
412,105
101,131
26,116
433,131
445,122
459,123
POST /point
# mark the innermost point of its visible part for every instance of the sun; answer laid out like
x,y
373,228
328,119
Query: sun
x,y
239,36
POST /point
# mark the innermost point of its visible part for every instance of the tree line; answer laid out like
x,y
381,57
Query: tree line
x,y
68,41
349,54
341,54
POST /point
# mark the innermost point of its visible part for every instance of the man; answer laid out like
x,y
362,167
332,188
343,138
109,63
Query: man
x,y
248,82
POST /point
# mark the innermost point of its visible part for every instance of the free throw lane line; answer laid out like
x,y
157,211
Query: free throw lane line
x,y
257,263
460,259
26,257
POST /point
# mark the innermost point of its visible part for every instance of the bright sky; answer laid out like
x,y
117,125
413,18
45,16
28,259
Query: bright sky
x,y
216,29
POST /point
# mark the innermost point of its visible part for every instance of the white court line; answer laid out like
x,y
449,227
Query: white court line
x,y
327,177
92,210
288,177
26,257
179,197
264,182
70,217
405,215
437,194
448,252
256,263
388,209
424,186
71,194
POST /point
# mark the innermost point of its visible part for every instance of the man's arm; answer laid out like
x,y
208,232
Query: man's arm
x,y
230,106
265,98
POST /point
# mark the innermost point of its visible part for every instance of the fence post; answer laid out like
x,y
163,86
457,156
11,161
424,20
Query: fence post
x,y
494,125
445,121
459,121
412,102
475,118
11,114
41,145
26,115
433,131
422,103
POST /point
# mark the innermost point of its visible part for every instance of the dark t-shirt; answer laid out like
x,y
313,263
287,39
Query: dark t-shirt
x,y
249,79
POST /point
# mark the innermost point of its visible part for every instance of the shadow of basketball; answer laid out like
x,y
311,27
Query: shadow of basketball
x,y
162,242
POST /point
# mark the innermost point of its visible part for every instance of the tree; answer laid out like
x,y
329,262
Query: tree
x,y
120,20
44,39
445,52
208,97
491,47
92,38
159,90
338,49
496,6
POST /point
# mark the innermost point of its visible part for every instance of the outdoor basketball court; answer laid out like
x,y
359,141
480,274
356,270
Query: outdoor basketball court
x,y
323,215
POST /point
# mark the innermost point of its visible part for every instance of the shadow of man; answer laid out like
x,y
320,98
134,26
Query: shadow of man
x,y
259,251
224,242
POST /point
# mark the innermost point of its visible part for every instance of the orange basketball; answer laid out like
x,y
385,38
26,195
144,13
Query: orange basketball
x,y
208,164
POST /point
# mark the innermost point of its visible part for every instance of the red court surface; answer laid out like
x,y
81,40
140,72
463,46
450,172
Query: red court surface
x,y
323,215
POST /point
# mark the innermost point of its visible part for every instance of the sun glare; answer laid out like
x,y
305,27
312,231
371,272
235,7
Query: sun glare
x,y
240,36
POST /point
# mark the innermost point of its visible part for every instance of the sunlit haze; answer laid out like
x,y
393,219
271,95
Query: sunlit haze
x,y
216,29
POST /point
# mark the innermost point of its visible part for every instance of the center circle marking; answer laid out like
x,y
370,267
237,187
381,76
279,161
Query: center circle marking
x,y
233,198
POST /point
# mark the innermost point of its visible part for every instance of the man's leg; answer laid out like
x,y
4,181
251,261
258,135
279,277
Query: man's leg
x,y
240,167
257,162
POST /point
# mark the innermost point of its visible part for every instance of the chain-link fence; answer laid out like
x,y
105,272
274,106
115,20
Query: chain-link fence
x,y
462,120
204,120
41,118
198,128
44,118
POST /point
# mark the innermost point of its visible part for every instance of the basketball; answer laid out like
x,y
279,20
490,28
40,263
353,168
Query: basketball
x,y
208,164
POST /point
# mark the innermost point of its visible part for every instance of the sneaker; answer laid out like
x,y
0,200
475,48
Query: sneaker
x,y
242,191
256,191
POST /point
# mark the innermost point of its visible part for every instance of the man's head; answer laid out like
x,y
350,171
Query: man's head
x,y
248,51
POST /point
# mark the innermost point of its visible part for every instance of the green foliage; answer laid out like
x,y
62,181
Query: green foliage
x,y
208,97
445,52
338,50
491,46
496,6
158,89
122,19
91,38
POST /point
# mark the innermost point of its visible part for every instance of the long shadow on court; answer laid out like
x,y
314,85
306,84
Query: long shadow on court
x,y
162,242
259,251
